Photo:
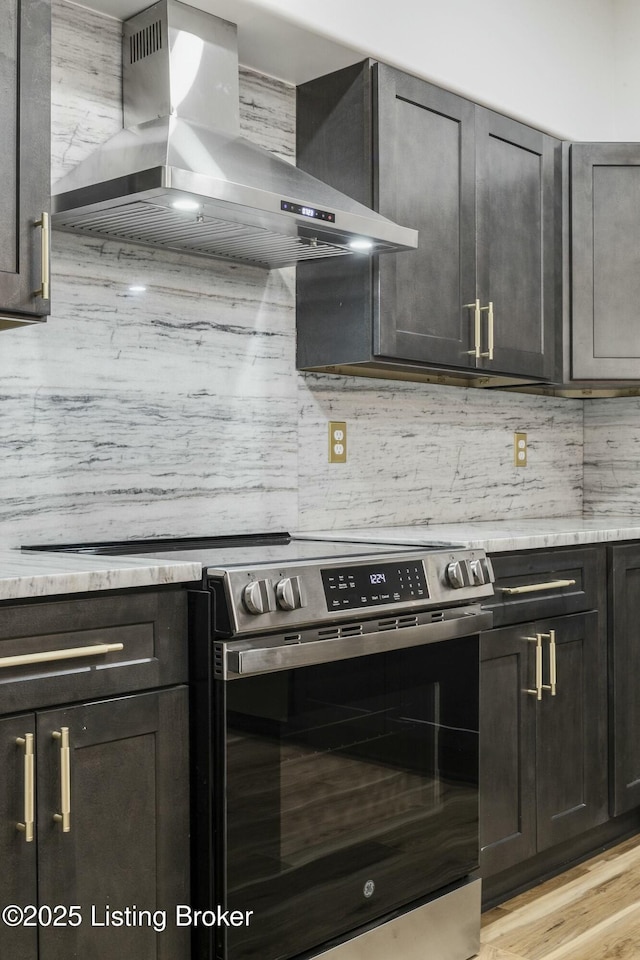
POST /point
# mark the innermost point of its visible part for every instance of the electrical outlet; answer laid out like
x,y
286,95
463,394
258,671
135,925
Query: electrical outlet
x,y
337,441
520,449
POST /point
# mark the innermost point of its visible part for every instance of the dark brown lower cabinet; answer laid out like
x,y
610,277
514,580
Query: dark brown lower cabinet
x,y
124,780
507,751
543,762
624,671
18,876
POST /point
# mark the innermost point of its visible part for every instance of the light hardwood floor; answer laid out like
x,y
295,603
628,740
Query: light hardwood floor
x,y
591,912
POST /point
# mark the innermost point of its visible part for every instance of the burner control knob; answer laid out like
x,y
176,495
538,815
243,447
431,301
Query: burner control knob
x,y
289,594
455,574
478,572
257,597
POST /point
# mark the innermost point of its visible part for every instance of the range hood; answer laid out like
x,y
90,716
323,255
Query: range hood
x,y
179,176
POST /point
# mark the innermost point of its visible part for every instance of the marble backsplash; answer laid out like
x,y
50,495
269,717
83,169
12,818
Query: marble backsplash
x,y
420,453
612,457
178,411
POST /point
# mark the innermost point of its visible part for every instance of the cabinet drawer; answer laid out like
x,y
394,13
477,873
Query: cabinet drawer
x,y
91,646
547,583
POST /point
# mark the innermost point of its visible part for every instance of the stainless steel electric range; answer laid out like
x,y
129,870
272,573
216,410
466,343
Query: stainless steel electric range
x,y
334,698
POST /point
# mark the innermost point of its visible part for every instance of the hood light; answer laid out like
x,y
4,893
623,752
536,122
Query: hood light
x,y
185,205
361,245
137,288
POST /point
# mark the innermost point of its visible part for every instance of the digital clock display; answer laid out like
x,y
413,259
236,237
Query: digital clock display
x,y
347,588
311,212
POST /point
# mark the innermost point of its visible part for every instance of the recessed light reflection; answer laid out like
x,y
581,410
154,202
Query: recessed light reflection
x,y
137,288
185,204
362,244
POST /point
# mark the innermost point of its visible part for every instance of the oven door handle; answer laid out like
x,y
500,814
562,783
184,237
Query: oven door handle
x,y
249,658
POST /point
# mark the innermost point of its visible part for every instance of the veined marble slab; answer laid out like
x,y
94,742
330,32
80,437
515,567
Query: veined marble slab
x,y
496,536
612,456
177,410
165,411
33,574
422,453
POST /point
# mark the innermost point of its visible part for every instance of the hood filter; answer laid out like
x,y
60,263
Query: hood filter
x,y
154,225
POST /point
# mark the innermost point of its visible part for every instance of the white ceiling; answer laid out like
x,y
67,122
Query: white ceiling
x,y
266,41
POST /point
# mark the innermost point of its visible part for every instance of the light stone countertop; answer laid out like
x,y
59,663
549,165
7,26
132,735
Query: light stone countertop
x,y
496,536
26,574
35,574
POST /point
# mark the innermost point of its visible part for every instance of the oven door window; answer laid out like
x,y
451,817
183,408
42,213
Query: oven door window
x,y
351,791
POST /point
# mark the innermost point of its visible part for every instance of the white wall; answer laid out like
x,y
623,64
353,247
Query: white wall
x,y
627,69
548,62
567,66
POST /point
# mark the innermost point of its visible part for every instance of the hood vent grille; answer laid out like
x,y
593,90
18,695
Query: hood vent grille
x,y
145,42
146,223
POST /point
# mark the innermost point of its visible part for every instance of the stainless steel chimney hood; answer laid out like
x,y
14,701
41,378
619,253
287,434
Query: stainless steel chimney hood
x,y
179,176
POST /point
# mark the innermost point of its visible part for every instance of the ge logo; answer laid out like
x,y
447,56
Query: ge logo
x,y
369,888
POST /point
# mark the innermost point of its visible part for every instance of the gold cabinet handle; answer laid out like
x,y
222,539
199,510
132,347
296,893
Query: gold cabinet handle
x,y
489,309
553,679
29,787
475,306
537,692
64,817
47,656
535,587
45,255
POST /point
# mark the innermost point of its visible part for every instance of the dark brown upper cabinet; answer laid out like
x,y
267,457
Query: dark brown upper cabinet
x,y
25,150
605,261
479,298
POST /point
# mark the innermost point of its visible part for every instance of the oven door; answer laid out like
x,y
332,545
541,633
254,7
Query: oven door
x,y
347,790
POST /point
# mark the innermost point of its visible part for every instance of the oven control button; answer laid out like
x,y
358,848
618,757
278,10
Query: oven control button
x,y
257,597
289,595
477,572
456,574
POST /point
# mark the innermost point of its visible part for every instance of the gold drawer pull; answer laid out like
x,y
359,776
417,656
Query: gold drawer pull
x,y
537,692
45,256
536,587
553,668
29,787
49,656
65,779
490,343
475,306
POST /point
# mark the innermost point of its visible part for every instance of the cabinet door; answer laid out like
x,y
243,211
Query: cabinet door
x,y
507,748
17,856
571,739
127,842
624,672
605,280
25,68
424,142
517,250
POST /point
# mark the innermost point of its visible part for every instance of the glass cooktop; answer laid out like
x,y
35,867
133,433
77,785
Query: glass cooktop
x,y
245,550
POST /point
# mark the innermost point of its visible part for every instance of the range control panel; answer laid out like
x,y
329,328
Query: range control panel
x,y
267,597
349,588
